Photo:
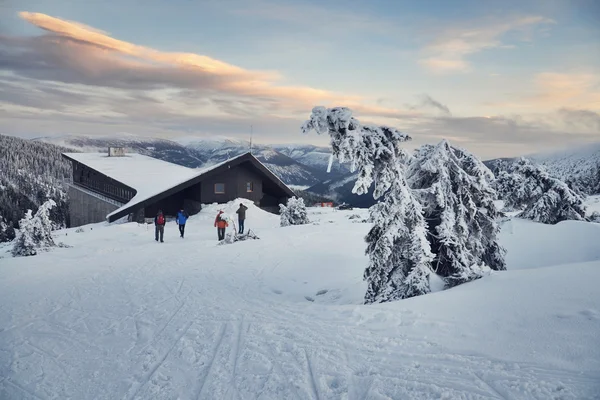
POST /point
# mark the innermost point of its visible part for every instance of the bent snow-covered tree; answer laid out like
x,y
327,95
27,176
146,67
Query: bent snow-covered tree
x,y
455,189
399,256
35,232
294,213
543,198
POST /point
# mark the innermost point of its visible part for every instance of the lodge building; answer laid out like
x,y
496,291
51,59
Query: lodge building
x,y
107,187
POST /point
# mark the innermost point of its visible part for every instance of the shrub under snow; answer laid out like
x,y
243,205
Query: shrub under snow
x,y
35,231
543,198
294,213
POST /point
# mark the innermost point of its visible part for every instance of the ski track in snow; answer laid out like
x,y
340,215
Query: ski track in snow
x,y
207,322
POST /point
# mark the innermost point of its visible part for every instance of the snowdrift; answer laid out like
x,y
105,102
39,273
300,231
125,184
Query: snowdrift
x,y
533,245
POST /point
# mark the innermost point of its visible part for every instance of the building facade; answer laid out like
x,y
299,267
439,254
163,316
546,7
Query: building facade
x,y
117,185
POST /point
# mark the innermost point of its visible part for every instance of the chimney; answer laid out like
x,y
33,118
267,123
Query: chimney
x,y
116,151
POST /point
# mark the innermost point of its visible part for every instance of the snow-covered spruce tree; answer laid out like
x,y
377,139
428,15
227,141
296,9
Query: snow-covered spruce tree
x,y
294,213
7,232
24,244
399,255
455,189
542,197
35,232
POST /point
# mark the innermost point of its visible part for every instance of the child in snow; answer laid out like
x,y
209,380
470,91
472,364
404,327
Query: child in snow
x,y
181,219
221,224
241,212
159,226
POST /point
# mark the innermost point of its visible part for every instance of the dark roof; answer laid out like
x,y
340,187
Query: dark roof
x,y
247,157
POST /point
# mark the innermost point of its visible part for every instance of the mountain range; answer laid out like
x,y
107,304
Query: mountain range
x,y
299,166
304,166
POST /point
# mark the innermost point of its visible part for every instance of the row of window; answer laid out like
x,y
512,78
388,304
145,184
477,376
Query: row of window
x,y
106,188
220,188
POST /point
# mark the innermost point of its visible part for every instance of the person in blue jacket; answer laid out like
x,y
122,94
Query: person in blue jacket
x,y
182,217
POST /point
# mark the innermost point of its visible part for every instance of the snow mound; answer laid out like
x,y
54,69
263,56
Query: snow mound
x,y
533,245
256,217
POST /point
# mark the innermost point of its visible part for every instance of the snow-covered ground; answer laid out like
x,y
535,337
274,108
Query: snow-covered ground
x,y
120,316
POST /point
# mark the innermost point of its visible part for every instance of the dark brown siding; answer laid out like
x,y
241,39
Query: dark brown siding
x,y
235,180
93,180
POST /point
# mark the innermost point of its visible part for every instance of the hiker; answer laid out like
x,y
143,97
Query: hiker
x,y
182,217
159,223
221,224
241,212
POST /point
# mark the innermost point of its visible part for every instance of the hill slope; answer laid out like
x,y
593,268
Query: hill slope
x,y
192,319
31,173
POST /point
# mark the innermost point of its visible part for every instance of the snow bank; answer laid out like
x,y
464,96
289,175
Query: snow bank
x,y
533,245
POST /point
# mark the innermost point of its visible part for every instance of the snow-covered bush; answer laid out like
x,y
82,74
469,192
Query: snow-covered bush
x,y
233,237
455,189
35,231
294,213
543,198
399,254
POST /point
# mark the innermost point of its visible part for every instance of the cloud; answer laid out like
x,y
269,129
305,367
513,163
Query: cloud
x,y
557,89
73,53
554,90
449,52
77,79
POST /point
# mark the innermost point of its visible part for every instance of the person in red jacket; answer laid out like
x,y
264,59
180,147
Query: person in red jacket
x,y
221,224
159,226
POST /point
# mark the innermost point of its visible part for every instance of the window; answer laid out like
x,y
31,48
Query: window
x,y
249,187
219,188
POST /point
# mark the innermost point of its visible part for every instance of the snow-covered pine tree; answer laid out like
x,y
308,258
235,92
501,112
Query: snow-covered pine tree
x,y
455,189
35,232
24,244
294,213
542,197
399,255
7,232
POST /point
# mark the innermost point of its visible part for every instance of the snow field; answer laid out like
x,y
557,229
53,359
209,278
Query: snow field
x,y
120,316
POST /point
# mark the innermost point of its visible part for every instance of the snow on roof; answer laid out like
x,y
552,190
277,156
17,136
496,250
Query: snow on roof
x,y
148,176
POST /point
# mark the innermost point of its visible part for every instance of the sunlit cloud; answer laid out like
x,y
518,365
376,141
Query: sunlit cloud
x,y
449,52
74,53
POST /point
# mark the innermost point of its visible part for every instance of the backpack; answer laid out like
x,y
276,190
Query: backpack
x,y
160,220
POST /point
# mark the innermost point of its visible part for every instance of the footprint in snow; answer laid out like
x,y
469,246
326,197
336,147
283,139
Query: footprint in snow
x,y
322,292
277,291
309,298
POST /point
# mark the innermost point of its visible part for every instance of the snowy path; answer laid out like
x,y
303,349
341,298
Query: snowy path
x,y
121,317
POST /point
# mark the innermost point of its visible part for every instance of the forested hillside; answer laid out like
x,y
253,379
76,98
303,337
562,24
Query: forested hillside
x,y
30,173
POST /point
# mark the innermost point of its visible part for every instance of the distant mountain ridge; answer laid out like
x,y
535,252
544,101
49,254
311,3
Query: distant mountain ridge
x,y
302,166
305,166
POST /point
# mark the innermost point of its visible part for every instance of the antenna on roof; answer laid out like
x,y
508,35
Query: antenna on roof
x,y
251,131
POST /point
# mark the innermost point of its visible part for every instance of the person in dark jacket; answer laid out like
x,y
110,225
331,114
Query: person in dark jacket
x,y
181,219
221,224
241,212
159,226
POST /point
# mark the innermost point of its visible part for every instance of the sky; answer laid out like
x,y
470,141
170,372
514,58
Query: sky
x,y
497,78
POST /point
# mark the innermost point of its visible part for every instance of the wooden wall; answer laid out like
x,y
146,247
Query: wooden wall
x,y
235,180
